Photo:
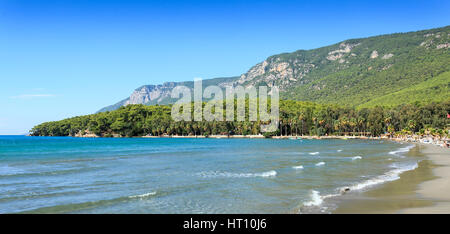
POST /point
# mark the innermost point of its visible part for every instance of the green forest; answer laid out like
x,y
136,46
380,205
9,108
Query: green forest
x,y
296,118
404,63
385,70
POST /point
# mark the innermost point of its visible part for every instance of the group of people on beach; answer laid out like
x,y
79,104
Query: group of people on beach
x,y
434,140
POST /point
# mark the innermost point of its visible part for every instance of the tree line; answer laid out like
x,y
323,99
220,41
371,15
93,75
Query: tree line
x,y
296,118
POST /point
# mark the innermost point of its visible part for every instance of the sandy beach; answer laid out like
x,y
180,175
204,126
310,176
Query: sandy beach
x,y
425,190
436,190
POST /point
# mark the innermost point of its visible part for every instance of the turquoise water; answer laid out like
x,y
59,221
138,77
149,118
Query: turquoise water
x,y
167,175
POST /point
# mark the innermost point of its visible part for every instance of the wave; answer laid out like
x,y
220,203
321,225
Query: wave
x,y
339,150
356,157
298,167
143,195
320,164
314,153
68,208
316,199
14,172
388,176
401,150
213,174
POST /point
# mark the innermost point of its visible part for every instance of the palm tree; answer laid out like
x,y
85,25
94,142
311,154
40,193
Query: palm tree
x,y
301,117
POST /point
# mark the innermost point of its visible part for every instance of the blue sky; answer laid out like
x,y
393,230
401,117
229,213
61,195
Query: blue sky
x,y
61,58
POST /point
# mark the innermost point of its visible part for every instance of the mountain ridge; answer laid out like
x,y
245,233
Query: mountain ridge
x,y
353,72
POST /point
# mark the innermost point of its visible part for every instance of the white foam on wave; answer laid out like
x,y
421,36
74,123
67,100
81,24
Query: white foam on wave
x,y
298,167
316,199
402,150
388,176
267,174
314,153
213,174
356,157
320,164
339,150
143,195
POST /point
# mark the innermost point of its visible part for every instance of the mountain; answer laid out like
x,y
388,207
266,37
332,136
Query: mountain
x,y
160,94
381,70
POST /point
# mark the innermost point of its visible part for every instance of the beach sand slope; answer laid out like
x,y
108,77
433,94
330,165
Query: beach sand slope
x,y
437,190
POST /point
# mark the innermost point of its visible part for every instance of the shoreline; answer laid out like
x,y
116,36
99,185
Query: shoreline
x,y
425,189
438,189
272,137
432,140
90,135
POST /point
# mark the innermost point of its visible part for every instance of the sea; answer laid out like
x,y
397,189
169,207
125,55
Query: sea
x,y
185,175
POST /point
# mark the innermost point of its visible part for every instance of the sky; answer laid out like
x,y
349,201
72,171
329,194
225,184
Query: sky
x,y
61,59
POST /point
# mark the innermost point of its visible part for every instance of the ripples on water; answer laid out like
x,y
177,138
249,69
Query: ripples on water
x,y
137,175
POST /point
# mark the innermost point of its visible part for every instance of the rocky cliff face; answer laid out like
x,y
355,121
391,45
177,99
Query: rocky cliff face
x,y
151,93
288,69
147,94
276,71
353,71
160,94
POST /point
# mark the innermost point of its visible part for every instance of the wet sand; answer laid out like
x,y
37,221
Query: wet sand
x,y
423,190
437,190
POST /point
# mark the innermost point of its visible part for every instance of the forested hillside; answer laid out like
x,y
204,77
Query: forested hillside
x,y
434,89
376,67
296,118
364,72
